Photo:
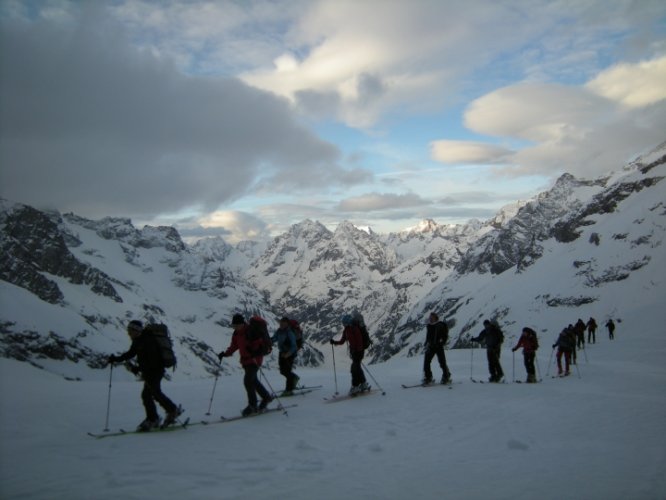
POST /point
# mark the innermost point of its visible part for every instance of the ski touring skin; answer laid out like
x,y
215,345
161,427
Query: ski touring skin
x,y
300,391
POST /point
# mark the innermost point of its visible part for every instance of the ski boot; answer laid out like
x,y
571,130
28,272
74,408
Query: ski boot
x,y
427,381
265,402
249,410
172,416
147,425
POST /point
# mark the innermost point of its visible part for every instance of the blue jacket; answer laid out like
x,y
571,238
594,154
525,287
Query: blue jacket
x,y
286,340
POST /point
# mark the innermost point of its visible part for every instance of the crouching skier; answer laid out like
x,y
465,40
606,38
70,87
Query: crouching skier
x,y
151,366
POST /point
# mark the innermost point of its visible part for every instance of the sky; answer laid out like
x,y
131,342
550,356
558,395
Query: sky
x,y
241,118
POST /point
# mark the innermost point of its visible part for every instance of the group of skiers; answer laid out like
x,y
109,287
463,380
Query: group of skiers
x,y
252,347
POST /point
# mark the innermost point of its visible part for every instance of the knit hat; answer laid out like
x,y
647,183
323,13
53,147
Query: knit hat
x,y
136,325
238,319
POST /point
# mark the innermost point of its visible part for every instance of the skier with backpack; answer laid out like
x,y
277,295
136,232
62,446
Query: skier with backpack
x,y
437,334
529,342
288,349
493,336
253,343
611,329
592,331
152,357
354,336
566,344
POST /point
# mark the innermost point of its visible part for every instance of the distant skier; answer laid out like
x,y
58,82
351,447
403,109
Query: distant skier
x,y
579,328
353,336
611,329
566,343
437,334
528,341
493,336
150,365
287,348
251,359
591,331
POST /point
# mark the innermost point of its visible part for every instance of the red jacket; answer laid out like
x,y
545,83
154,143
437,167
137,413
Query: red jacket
x,y
353,335
527,343
239,342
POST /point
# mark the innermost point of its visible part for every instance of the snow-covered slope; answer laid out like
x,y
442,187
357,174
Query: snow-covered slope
x,y
68,285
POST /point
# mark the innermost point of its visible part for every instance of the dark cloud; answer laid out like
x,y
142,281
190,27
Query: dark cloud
x,y
90,124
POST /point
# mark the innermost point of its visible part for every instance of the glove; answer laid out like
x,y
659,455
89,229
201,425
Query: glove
x,y
113,359
554,346
332,342
221,355
513,350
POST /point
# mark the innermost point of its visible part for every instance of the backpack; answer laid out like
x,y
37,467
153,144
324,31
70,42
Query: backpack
x,y
258,330
298,333
532,338
160,333
357,320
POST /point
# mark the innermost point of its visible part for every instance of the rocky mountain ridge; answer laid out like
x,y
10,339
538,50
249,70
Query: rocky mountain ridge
x,y
68,285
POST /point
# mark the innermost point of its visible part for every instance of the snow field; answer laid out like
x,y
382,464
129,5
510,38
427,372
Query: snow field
x,y
598,437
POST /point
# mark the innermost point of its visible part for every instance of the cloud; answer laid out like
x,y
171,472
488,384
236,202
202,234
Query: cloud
x,y
633,85
566,128
381,201
467,152
238,225
92,125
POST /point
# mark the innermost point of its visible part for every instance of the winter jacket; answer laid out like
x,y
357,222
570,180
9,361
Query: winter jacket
x,y
527,342
286,340
351,334
492,335
247,349
566,341
437,334
147,352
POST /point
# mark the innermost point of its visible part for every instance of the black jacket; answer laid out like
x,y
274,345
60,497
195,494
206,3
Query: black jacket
x,y
437,335
147,353
492,335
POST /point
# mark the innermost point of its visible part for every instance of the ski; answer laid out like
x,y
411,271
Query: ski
x,y
121,432
225,420
345,397
434,384
308,387
298,392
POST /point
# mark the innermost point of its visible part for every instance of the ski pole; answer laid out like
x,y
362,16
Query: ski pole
x,y
536,358
280,405
550,360
108,401
585,353
471,364
373,379
513,356
578,370
335,375
217,374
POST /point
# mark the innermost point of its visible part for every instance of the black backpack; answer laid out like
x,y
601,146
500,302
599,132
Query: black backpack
x,y
160,333
258,329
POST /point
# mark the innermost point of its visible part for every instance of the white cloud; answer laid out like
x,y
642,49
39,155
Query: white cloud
x,y
467,152
237,225
633,85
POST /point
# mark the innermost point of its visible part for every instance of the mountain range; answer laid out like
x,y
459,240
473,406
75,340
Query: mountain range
x,y
69,285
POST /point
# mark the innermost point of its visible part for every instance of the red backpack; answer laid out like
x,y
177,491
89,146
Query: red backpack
x,y
258,333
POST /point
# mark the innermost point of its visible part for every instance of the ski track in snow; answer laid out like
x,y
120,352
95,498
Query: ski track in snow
x,y
602,436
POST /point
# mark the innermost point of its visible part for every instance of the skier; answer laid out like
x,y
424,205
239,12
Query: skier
x,y
353,336
286,341
580,333
611,329
566,343
591,331
528,341
436,337
251,359
150,365
494,337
